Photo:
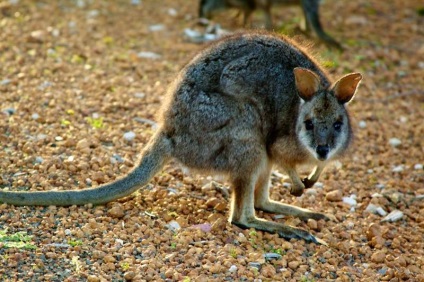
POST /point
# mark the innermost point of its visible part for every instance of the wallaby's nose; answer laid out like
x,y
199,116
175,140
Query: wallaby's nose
x,y
322,151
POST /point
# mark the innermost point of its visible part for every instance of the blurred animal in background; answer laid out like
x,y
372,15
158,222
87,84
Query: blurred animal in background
x,y
311,21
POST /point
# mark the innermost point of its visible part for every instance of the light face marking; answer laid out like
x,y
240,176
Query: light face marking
x,y
322,124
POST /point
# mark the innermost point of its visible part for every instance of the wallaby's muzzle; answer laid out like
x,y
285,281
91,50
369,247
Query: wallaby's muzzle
x,y
322,151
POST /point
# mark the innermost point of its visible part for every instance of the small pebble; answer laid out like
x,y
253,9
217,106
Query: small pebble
x,y
374,230
395,142
270,256
157,27
129,136
129,275
148,55
232,268
5,82
312,223
116,211
311,192
35,116
9,111
362,124
139,95
380,186
255,264
287,185
351,201
319,185
293,264
334,196
172,12
93,278
378,257
173,226
393,216
398,168
418,166
376,210
38,160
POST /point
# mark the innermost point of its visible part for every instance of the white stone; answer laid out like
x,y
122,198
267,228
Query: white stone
x,y
311,192
395,142
148,55
39,160
129,136
362,124
418,166
350,201
173,226
398,168
172,12
319,185
232,268
157,27
395,215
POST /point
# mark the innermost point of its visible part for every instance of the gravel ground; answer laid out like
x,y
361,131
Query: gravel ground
x,y
81,83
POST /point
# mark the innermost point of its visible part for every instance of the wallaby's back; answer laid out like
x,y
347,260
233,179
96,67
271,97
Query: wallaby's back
x,y
240,87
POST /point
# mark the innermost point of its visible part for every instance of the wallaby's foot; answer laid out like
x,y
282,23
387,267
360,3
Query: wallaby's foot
x,y
284,231
285,209
332,44
308,182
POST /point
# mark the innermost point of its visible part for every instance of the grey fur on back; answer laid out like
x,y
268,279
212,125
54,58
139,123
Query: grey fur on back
x,y
242,82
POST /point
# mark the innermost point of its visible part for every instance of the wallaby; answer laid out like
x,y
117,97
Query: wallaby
x,y
244,104
208,8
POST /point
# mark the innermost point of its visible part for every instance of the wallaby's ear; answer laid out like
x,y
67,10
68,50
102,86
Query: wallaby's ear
x,y
307,83
345,88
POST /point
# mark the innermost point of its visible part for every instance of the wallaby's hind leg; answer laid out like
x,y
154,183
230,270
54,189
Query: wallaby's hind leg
x,y
264,203
243,211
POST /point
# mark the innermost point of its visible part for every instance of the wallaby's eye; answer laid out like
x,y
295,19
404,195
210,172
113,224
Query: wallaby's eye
x,y
309,125
338,125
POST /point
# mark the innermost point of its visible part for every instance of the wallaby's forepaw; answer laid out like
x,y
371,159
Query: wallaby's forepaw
x,y
307,182
296,190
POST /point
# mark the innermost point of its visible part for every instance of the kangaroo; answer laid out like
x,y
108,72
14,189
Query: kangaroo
x,y
208,8
244,104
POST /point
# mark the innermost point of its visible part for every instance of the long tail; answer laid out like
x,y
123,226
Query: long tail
x,y
154,156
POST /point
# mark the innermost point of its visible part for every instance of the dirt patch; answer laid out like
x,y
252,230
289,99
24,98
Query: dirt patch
x,y
81,83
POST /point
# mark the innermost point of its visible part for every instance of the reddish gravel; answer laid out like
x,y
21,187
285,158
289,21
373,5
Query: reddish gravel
x,y
77,96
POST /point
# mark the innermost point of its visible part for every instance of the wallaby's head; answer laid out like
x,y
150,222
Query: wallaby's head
x,y
323,122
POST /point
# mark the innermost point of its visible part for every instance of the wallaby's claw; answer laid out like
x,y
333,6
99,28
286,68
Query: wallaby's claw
x,y
302,234
329,217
